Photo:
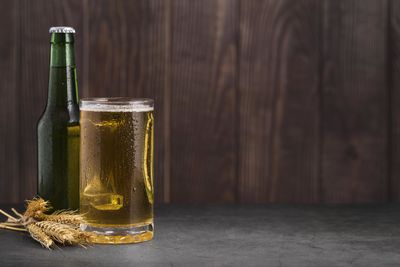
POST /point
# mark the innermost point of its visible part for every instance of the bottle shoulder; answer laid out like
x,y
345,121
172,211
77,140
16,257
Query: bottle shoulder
x,y
59,116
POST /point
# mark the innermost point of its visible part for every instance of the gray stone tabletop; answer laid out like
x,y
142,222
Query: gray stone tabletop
x,y
269,235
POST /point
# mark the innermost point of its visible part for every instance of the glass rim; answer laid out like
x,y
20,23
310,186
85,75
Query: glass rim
x,y
116,104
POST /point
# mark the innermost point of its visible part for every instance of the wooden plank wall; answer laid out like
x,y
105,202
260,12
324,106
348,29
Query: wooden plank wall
x,y
355,102
9,83
126,44
203,101
279,101
272,101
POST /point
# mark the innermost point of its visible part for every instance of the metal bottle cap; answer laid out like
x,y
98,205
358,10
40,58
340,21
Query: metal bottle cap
x,y
62,29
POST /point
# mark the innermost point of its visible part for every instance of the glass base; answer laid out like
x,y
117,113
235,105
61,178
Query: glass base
x,y
120,235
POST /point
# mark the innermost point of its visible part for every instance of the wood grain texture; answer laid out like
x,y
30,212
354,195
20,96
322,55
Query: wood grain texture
x,y
279,101
394,98
127,57
203,101
255,101
9,108
355,102
36,18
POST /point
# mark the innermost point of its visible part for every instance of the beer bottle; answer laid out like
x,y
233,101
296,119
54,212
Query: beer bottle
x,y
58,128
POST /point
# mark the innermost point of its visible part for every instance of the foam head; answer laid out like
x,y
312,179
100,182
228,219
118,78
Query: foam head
x,y
117,104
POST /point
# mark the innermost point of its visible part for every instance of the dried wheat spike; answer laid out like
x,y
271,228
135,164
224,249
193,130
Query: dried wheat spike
x,y
65,217
39,235
36,207
84,237
61,233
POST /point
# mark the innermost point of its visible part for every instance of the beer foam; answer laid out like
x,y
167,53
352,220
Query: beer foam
x,y
131,107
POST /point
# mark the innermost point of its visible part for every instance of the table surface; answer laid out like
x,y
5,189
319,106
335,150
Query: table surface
x,y
268,235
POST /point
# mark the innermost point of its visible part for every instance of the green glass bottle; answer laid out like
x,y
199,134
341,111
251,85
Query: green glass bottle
x,y
58,128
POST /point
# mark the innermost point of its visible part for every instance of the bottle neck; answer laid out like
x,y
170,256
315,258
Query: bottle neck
x,y
63,87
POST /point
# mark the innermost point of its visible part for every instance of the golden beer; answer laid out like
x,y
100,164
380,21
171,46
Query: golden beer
x,y
116,169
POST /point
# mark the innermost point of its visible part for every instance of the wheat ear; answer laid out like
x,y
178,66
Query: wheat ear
x,y
65,217
62,233
36,207
84,238
40,236
59,232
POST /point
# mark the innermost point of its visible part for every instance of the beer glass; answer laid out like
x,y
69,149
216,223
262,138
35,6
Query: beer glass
x,y
116,169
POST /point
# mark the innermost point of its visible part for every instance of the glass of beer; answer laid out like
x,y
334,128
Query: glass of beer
x,y
116,169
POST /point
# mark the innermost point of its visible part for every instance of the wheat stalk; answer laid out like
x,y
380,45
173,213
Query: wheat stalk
x,y
10,227
10,218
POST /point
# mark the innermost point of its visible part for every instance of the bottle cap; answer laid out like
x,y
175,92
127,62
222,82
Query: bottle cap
x,y
62,29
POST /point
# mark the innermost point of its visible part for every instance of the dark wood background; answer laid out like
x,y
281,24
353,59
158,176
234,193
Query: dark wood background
x,y
294,101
